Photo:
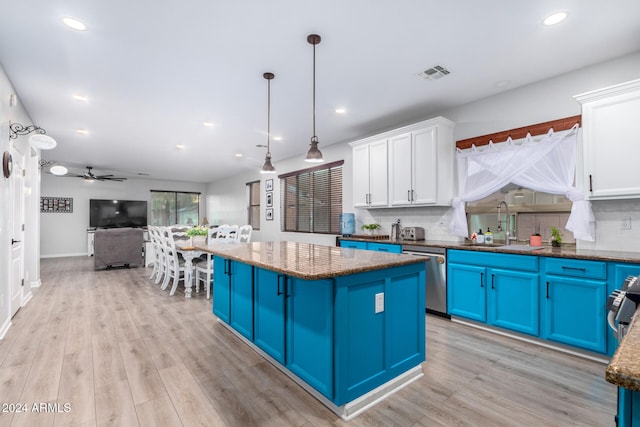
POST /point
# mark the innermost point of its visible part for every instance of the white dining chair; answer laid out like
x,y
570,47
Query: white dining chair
x,y
174,264
244,233
204,267
159,262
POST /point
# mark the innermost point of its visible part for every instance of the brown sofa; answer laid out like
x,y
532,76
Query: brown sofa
x,y
118,247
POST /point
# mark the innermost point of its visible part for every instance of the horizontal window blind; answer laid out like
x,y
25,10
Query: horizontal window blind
x,y
312,199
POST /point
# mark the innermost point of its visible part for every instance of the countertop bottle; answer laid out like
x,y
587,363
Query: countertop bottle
x,y
488,238
480,236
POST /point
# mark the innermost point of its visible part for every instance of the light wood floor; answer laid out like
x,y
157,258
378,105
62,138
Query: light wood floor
x,y
121,352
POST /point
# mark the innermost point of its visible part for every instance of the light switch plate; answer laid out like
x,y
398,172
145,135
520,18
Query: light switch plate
x,y
380,302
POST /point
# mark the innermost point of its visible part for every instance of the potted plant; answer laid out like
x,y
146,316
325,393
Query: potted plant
x,y
197,231
371,228
556,237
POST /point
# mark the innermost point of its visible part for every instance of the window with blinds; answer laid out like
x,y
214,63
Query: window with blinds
x,y
312,199
254,205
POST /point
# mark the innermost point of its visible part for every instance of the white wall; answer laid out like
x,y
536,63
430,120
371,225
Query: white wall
x,y
65,234
540,102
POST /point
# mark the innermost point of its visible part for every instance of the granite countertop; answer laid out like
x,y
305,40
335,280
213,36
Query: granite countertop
x,y
308,261
565,251
624,368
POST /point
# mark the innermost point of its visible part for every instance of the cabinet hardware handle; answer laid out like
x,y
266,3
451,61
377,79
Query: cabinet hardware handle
x,y
14,241
229,271
493,276
413,199
279,291
408,195
574,268
547,290
225,266
590,183
482,280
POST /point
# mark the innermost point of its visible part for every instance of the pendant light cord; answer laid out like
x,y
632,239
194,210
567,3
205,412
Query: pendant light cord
x,y
314,92
268,116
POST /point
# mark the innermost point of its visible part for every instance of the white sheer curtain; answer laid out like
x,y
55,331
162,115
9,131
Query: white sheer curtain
x,y
547,165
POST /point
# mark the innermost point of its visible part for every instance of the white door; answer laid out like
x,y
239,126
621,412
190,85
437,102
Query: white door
x,y
16,273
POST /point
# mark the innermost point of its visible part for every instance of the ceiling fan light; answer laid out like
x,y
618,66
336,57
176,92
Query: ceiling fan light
x,y
58,170
268,167
314,155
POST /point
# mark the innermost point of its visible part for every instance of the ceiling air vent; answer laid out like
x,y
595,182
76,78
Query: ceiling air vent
x,y
434,73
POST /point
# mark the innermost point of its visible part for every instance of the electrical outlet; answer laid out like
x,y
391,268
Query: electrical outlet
x,y
625,224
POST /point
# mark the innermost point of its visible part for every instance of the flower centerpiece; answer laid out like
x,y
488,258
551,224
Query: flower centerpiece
x,y
196,232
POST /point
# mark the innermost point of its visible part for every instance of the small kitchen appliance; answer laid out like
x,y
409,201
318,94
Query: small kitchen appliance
x,y
412,233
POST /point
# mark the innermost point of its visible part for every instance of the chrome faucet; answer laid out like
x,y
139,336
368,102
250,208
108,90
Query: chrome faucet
x,y
507,222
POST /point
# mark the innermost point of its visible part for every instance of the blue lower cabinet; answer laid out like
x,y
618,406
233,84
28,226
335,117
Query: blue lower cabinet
x,y
384,247
574,312
309,332
379,328
628,408
514,301
466,293
233,294
222,289
353,244
269,309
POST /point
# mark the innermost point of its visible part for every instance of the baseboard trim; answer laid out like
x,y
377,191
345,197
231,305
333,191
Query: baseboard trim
x,y
63,255
26,298
5,328
584,355
350,409
36,284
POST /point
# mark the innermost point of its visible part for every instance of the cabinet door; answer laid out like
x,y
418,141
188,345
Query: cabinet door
x,y
269,306
617,273
400,166
609,127
353,244
241,276
221,289
514,301
361,175
309,332
378,191
575,312
425,166
384,247
466,291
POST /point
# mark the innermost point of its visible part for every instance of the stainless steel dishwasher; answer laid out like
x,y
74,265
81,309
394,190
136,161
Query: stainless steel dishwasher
x,y
436,277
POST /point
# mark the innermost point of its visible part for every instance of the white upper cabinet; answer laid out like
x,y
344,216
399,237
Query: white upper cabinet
x,y
611,147
370,174
418,170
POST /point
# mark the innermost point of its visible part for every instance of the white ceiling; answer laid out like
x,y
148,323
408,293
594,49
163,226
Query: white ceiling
x,y
154,71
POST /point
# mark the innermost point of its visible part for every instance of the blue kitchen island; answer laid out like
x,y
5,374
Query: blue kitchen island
x,y
348,325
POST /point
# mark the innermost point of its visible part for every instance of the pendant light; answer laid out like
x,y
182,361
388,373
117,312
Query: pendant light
x,y
314,155
268,167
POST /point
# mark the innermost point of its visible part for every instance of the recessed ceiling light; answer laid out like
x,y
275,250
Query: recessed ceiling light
x,y
74,24
277,138
207,124
502,84
239,155
82,131
555,18
80,98
58,170
180,146
340,110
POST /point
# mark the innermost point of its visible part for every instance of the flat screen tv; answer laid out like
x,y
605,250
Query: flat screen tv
x,y
117,213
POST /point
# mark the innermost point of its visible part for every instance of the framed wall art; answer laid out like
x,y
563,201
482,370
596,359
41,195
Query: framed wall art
x,y
270,214
56,204
268,185
269,199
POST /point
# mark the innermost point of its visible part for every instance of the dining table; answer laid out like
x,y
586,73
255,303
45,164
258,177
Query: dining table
x,y
189,252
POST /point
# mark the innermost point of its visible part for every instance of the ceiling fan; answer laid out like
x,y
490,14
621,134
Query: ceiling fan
x,y
90,176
